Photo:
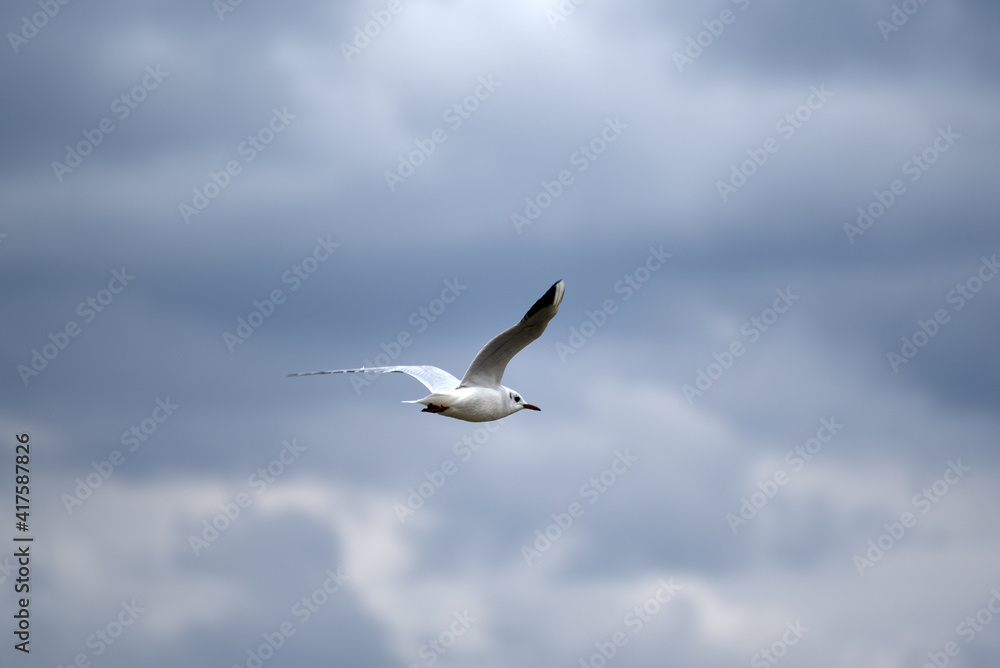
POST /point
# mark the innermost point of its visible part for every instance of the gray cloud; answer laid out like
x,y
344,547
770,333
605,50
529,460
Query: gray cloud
x,y
260,123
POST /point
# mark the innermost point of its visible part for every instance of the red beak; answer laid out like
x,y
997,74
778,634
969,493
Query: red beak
x,y
534,408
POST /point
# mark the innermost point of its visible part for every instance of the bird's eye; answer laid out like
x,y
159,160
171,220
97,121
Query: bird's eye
x,y
517,398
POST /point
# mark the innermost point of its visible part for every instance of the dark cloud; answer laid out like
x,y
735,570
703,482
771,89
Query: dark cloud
x,y
586,128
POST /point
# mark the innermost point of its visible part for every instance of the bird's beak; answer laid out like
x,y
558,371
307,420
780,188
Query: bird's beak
x,y
534,408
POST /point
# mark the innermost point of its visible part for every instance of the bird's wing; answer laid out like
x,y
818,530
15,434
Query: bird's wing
x,y
435,379
488,367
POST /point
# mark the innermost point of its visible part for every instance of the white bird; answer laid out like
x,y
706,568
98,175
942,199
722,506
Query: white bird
x,y
479,396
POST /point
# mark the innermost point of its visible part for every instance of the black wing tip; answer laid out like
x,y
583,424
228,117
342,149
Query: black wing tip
x,y
552,296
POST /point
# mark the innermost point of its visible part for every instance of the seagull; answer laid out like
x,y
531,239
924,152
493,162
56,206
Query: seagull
x,y
479,396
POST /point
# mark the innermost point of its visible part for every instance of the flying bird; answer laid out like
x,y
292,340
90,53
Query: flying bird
x,y
479,396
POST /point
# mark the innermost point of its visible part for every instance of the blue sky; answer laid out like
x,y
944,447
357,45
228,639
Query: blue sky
x,y
768,428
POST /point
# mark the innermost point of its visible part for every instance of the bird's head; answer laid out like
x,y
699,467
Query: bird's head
x,y
516,403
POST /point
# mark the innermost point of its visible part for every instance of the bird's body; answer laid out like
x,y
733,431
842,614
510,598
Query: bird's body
x,y
479,396
472,404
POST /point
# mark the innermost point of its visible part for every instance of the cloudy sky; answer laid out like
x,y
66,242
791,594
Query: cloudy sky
x,y
768,430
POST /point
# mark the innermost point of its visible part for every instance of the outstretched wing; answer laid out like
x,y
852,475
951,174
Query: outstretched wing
x,y
488,367
433,378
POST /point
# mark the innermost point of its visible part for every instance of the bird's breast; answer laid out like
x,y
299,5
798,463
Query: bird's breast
x,y
476,404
